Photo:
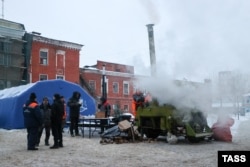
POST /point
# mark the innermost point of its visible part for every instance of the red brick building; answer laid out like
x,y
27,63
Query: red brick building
x,y
119,83
53,59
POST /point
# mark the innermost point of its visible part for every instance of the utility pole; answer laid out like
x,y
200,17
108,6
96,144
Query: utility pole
x,y
104,84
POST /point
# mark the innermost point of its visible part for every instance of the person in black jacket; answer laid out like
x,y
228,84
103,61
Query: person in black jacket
x,y
57,111
74,108
32,120
46,113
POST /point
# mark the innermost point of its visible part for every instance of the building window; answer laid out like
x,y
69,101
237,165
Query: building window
x,y
43,77
5,46
43,57
1,46
5,59
60,77
125,88
125,108
2,84
92,85
1,59
115,87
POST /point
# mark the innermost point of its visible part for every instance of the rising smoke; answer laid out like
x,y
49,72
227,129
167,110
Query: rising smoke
x,y
181,94
151,11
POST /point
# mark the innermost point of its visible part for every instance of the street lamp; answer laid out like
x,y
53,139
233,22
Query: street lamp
x,y
104,88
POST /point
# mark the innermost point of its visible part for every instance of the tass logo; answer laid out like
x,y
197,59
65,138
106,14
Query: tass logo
x,y
233,158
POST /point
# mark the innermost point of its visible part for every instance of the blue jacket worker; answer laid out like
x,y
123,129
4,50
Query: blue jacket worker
x,y
32,120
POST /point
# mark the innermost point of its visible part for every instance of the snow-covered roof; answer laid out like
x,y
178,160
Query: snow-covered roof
x,y
14,91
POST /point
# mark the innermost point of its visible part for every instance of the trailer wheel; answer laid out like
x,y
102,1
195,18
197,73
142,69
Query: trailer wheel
x,y
193,140
152,133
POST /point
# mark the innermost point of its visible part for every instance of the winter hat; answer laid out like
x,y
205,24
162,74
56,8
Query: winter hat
x,y
57,96
45,98
32,96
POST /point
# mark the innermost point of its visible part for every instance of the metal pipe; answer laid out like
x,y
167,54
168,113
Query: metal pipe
x,y
152,49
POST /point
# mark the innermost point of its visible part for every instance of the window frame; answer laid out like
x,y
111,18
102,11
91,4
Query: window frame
x,y
92,82
126,107
41,77
125,90
115,87
58,77
41,58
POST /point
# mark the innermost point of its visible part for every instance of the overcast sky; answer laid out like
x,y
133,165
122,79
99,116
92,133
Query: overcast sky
x,y
194,39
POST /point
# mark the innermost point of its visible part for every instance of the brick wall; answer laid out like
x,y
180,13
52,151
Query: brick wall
x,y
124,100
70,70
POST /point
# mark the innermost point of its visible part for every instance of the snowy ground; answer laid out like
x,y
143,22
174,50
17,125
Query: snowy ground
x,y
87,152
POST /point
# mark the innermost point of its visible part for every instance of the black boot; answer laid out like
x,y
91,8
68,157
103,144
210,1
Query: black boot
x,y
33,149
55,144
60,145
54,147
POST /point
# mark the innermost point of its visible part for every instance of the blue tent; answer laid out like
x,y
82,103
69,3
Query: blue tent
x,y
12,100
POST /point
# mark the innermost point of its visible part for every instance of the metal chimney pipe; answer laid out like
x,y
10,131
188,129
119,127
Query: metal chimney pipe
x,y
152,49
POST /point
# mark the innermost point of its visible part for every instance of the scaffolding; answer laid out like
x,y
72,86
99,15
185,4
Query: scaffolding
x,y
11,54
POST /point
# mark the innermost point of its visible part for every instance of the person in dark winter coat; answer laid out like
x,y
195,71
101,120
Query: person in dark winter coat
x,y
57,111
32,120
104,106
46,113
74,112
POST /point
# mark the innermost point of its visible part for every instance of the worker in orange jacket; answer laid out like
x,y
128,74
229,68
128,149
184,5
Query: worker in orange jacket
x,y
138,101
